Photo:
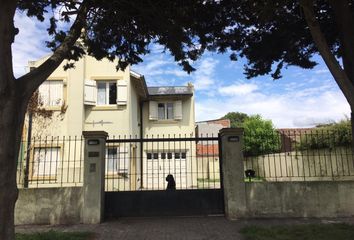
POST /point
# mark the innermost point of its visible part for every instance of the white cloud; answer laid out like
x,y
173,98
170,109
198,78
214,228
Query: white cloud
x,y
238,89
204,76
29,43
284,109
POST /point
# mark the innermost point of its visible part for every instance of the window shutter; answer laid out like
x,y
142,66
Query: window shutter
x,y
122,92
153,110
44,93
90,92
178,110
56,93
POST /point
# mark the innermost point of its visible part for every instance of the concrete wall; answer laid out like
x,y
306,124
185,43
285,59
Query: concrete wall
x,y
309,165
300,199
49,206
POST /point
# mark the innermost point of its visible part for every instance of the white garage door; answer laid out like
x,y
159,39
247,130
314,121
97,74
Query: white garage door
x,y
159,165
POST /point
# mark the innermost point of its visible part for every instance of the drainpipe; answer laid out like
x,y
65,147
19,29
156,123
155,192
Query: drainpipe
x,y
29,135
141,144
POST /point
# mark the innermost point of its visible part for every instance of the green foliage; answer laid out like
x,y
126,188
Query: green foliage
x,y
297,232
260,136
52,235
125,30
236,118
328,136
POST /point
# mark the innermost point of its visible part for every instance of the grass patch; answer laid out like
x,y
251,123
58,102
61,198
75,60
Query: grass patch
x,y
207,180
300,232
255,179
52,235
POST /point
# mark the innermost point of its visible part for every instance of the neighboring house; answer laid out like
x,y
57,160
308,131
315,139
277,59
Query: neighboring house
x,y
95,97
289,137
208,151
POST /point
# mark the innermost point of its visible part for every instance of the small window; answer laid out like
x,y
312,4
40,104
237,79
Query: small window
x,y
156,156
177,155
163,155
184,155
117,160
165,111
106,93
169,155
161,111
149,156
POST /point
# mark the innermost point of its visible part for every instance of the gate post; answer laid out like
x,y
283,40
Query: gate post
x,y
233,172
94,173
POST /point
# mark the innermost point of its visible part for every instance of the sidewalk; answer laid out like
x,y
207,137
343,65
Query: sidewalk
x,y
174,228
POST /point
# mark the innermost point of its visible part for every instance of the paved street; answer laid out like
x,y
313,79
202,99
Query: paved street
x,y
176,228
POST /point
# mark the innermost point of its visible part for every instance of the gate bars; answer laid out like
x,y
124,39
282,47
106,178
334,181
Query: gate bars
x,y
134,164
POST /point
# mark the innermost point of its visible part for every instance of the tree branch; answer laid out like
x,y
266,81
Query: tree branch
x,y
29,82
334,67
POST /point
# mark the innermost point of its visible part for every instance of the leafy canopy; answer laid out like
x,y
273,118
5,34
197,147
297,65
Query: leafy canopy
x,y
124,29
236,118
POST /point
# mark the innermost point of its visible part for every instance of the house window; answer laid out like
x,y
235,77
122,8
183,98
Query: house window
x,y
165,111
180,155
45,161
152,156
51,93
116,160
106,92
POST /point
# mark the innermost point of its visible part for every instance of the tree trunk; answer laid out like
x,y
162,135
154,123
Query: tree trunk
x,y
345,22
12,111
343,77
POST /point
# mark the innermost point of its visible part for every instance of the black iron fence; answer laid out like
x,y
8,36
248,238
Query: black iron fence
x,y
299,155
50,162
160,162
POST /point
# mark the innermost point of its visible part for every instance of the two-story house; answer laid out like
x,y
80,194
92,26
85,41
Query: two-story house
x,y
93,96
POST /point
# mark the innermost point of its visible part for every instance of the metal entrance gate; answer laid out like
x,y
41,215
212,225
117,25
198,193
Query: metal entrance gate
x,y
137,169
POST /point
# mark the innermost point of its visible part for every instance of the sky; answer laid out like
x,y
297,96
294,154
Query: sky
x,y
302,98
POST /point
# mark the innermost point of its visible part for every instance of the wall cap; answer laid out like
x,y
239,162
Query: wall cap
x,y
95,134
231,131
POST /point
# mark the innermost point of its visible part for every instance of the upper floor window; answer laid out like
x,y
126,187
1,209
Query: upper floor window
x,y
106,92
51,93
165,111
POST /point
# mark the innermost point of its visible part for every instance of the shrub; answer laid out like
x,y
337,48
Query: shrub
x,y
329,136
260,136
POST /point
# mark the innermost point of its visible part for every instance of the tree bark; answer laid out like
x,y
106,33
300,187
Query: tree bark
x,y
14,97
12,111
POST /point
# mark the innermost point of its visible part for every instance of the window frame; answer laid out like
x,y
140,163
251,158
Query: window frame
x,y
58,161
63,93
107,92
166,107
119,171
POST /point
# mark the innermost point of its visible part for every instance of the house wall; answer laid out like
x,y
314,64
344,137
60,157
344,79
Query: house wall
x,y
79,117
171,127
49,206
300,199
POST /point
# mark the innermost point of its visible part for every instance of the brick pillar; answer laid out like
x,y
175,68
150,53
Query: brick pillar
x,y
94,172
233,172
